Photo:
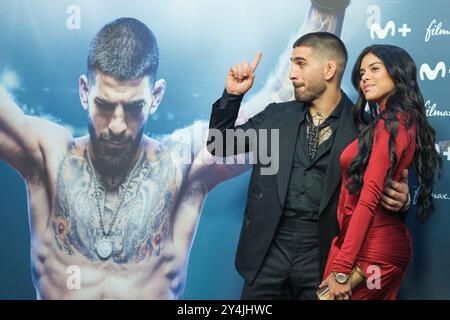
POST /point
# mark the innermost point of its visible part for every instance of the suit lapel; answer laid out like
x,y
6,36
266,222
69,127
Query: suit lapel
x,y
317,157
346,132
288,138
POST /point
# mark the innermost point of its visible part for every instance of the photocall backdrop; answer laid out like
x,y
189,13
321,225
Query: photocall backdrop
x,y
43,50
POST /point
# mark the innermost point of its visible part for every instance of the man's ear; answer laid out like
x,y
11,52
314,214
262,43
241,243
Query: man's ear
x,y
157,94
330,69
83,90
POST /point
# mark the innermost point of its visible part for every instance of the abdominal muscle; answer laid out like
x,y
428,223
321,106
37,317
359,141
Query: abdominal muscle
x,y
57,275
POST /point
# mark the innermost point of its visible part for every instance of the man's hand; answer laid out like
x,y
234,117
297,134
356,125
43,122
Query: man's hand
x,y
337,291
241,76
395,194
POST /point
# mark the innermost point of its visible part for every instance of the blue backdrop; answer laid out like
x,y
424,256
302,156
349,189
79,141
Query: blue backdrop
x,y
41,58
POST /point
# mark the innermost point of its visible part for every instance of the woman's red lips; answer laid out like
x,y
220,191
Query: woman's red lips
x,y
367,87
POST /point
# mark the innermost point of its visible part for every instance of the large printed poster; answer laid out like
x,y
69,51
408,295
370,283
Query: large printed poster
x,y
43,57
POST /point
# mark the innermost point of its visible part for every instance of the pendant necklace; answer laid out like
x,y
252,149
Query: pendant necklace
x,y
104,247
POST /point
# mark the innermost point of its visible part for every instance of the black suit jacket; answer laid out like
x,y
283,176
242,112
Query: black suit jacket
x,y
267,193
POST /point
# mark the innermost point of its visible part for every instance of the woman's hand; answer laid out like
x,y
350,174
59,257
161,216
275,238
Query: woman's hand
x,y
337,291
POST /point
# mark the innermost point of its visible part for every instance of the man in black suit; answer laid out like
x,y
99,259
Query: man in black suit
x,y
290,217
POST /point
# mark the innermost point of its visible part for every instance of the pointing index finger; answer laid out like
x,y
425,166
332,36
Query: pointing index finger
x,y
256,61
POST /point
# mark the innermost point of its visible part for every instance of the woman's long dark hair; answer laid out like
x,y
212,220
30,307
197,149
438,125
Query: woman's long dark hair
x,y
406,100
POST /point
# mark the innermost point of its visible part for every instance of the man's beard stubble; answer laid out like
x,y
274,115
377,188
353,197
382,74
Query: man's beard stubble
x,y
314,91
114,161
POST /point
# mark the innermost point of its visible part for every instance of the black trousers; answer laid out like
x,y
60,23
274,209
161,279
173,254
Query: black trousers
x,y
290,269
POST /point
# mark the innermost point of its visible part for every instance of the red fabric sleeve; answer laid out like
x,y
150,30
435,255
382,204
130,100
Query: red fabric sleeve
x,y
371,191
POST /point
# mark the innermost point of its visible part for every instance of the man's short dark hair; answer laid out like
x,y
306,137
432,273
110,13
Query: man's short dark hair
x,y
327,44
125,49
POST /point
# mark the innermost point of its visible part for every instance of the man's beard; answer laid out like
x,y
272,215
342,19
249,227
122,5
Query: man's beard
x,y
114,161
314,91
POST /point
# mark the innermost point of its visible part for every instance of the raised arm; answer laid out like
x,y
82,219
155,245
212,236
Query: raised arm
x,y
225,137
21,137
19,145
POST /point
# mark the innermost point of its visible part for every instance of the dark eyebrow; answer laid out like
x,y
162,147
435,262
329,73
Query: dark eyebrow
x,y
362,69
131,104
298,59
374,63
135,103
103,101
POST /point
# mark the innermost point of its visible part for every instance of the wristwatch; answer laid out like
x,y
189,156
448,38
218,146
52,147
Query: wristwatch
x,y
340,278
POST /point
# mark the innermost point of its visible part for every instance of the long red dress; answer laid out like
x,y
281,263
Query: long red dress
x,y
371,236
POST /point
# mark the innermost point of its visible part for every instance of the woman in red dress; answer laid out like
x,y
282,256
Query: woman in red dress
x,y
397,136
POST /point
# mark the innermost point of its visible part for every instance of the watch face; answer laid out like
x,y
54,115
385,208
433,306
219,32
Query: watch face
x,y
341,278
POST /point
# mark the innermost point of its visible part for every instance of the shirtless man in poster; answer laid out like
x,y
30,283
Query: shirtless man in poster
x,y
115,208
